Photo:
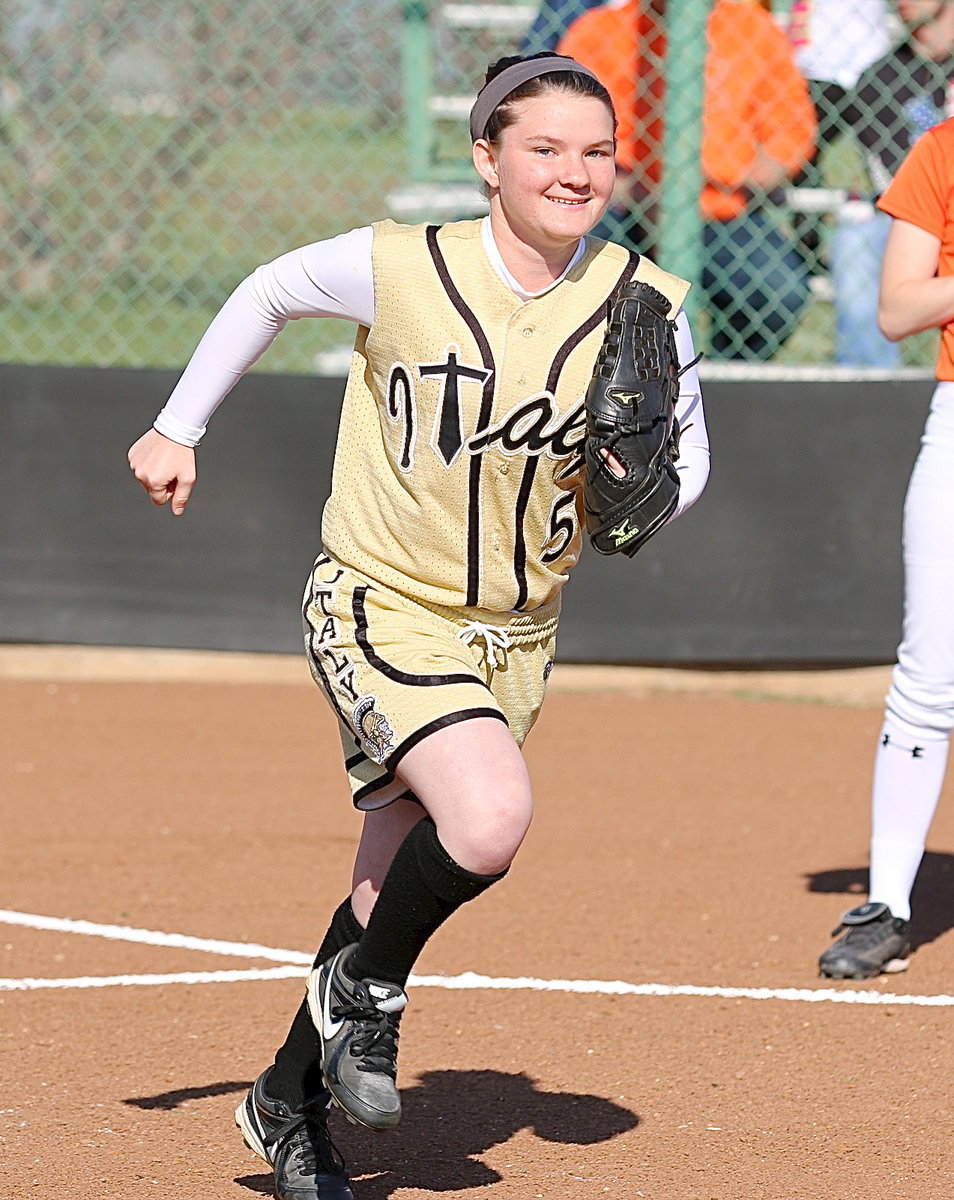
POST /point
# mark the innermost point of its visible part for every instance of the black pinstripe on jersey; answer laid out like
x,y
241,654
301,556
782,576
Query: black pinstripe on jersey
x,y
483,418
530,470
483,421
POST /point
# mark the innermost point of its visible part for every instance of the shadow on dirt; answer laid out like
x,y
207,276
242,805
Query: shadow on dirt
x,y
450,1119
932,902
170,1100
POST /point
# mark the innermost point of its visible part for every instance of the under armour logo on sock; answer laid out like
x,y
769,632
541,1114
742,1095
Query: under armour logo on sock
x,y
916,751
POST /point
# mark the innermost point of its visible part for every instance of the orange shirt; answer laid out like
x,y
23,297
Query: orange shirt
x,y
754,95
922,193
624,46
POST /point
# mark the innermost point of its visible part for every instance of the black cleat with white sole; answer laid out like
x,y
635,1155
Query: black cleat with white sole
x,y
357,1024
872,940
295,1143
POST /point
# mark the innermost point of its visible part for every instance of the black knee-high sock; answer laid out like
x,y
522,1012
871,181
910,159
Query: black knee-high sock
x,y
296,1074
423,886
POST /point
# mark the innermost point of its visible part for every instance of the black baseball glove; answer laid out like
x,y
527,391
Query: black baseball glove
x,y
631,425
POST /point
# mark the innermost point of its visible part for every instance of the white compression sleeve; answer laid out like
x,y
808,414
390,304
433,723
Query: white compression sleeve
x,y
332,278
692,465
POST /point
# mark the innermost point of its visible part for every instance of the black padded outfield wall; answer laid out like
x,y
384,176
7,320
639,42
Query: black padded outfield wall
x,y
791,556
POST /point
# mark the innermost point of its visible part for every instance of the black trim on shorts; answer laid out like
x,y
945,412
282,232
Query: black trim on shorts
x,y
386,668
325,684
376,785
483,417
454,718
379,785
310,635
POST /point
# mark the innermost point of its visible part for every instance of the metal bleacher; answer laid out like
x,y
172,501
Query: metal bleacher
x,y
446,48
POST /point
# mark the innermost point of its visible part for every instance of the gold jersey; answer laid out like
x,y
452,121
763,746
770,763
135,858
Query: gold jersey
x,y
457,466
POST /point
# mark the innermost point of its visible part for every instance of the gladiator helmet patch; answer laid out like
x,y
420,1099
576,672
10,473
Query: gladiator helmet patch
x,y
373,728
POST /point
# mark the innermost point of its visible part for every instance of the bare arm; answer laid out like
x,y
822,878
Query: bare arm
x,y
766,173
912,297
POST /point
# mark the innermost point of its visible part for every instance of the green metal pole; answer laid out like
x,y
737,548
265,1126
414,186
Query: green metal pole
x,y
416,65
680,224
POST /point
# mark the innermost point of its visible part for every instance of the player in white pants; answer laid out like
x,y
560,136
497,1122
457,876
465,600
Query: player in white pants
x,y
917,292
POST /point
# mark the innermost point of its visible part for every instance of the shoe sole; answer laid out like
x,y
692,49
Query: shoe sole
x,y
313,997
894,966
249,1135
253,1142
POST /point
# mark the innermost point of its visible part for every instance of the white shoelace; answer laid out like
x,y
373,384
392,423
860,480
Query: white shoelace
x,y
496,642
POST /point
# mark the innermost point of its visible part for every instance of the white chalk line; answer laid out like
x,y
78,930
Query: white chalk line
x,y
151,937
102,981
619,988
297,963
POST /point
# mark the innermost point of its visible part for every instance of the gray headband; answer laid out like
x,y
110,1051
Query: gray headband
x,y
502,85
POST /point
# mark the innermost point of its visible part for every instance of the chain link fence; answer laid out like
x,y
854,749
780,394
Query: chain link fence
x,y
155,153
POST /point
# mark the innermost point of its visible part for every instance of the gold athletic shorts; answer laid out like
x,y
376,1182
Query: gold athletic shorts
x,y
395,669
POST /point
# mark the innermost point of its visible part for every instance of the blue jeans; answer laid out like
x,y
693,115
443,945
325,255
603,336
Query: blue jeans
x,y
756,286
857,247
553,19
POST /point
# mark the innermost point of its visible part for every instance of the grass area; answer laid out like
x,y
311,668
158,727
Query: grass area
x,y
258,194
136,286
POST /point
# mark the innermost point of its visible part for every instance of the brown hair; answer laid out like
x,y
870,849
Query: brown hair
x,y
572,81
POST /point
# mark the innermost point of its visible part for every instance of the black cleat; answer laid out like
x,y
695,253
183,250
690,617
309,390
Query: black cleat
x,y
295,1143
357,1025
873,941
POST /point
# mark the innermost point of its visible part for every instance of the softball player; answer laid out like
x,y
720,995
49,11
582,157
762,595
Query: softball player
x,y
917,292
431,613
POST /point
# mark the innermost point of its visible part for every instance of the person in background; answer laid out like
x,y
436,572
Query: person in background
x,y
833,41
917,293
551,21
758,130
898,98
906,92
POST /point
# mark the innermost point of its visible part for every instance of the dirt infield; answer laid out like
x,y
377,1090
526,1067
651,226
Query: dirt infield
x,y
633,1012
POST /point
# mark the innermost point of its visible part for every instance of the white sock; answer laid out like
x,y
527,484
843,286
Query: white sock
x,y
908,776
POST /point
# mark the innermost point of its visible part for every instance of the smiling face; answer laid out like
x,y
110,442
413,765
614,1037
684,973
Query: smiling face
x,y
551,172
